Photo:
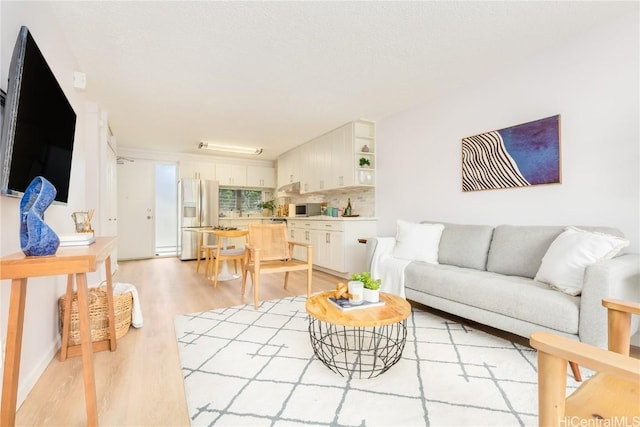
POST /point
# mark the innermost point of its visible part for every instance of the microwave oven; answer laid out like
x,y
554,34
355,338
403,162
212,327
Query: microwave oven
x,y
308,209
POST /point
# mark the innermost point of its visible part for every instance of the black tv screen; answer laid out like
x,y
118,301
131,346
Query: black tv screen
x,y
38,125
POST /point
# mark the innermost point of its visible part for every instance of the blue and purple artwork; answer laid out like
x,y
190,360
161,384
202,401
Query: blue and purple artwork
x,y
518,156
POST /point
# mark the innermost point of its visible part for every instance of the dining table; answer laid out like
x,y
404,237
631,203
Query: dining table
x,y
225,273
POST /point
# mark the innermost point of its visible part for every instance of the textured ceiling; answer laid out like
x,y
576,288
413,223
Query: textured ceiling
x,y
276,74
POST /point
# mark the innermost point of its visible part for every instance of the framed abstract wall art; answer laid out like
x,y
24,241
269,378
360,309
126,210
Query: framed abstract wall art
x,y
518,156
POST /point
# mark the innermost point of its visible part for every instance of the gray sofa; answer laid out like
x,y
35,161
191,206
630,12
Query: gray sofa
x,y
486,274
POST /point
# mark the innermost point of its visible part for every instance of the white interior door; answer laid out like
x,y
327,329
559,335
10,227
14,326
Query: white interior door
x,y
136,203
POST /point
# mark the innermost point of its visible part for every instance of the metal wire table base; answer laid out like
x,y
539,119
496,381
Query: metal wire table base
x,y
357,352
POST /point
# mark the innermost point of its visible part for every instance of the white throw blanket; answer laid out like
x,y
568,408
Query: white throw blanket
x,y
136,313
387,268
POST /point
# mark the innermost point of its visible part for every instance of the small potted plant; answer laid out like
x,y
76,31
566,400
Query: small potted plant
x,y
371,286
364,162
267,207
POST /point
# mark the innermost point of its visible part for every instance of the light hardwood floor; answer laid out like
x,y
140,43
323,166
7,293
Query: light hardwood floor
x,y
140,384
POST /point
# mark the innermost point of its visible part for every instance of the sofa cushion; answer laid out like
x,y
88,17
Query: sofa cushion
x,y
465,245
417,242
564,264
517,297
517,250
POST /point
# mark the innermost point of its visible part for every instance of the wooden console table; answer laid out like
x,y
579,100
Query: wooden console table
x,y
75,262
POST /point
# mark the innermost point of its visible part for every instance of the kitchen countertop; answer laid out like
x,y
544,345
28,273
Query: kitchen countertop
x,y
303,218
333,218
242,218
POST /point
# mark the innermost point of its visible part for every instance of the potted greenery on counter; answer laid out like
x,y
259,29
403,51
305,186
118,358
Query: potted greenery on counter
x,y
268,205
371,286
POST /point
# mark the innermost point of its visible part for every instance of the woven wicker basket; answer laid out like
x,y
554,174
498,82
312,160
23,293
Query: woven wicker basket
x,y
98,316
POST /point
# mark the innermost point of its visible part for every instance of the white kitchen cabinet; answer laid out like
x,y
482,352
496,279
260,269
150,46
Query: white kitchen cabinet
x,y
261,177
332,161
308,168
341,172
322,147
289,167
335,242
316,164
328,237
231,175
300,231
197,170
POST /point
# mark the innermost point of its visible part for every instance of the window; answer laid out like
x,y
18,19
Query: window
x,y
242,201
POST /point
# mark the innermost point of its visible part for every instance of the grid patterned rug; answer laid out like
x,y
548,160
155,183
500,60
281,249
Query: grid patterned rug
x,y
256,367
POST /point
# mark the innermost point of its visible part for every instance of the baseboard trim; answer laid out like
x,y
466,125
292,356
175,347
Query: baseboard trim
x,y
30,379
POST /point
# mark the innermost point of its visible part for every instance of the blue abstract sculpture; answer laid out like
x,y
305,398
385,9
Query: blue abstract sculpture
x,y
36,237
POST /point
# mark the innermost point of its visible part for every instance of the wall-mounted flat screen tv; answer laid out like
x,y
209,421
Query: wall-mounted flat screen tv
x,y
38,126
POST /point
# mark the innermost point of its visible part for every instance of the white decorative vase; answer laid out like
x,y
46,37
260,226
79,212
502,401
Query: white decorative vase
x,y
371,295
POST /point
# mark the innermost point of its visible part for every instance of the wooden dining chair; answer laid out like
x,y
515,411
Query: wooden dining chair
x,y
225,252
611,396
269,251
205,250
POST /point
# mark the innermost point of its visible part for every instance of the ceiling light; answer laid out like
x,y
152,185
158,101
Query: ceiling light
x,y
229,148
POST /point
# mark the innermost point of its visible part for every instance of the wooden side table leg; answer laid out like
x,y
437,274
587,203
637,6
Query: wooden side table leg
x,y
87,350
110,311
12,355
67,319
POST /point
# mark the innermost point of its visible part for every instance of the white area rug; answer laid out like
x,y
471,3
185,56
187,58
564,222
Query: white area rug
x,y
247,367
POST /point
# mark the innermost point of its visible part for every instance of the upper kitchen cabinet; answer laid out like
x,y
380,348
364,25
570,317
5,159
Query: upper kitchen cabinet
x,y
342,158
261,177
315,158
289,167
197,170
341,173
231,175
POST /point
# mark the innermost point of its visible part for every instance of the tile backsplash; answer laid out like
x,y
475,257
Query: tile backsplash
x,y
362,199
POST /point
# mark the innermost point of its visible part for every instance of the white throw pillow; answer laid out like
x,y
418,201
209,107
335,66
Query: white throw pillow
x,y
569,255
418,242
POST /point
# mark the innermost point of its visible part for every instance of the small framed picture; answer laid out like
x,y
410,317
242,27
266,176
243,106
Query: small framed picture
x,y
82,220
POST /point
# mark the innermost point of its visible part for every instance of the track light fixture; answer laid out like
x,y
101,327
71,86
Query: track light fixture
x,y
204,145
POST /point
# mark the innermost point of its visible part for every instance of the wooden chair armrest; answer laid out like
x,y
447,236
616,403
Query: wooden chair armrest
x,y
620,305
306,245
595,358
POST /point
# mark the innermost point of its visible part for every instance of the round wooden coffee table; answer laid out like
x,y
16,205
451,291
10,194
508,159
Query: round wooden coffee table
x,y
360,343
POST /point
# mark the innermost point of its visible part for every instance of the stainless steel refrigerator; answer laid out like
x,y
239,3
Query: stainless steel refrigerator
x,y
197,208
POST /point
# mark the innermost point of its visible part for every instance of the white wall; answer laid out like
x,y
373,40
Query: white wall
x,y
41,337
592,81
